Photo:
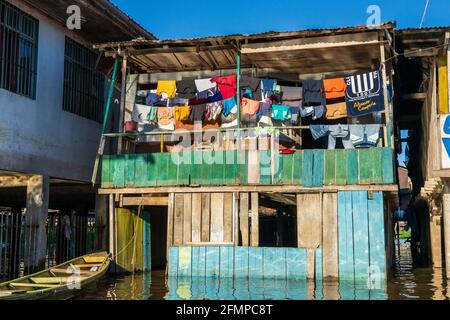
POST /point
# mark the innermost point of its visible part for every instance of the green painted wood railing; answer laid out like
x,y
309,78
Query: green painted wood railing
x,y
309,168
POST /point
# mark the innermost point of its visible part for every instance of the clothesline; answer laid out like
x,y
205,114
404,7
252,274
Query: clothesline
x,y
157,133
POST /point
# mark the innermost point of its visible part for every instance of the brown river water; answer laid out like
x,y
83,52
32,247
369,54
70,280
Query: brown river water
x,y
406,284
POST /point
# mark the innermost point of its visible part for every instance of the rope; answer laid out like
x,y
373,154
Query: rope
x,y
114,257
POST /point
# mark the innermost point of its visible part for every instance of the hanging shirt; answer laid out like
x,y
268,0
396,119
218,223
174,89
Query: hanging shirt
x,y
152,116
213,111
182,113
178,102
295,115
227,86
313,93
334,88
186,89
140,113
364,94
251,84
268,87
292,96
165,116
152,99
197,113
167,87
336,111
264,109
204,84
319,112
249,107
229,106
280,112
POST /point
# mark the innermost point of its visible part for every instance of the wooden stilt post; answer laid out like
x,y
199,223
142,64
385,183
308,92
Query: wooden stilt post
x,y
122,104
111,234
388,110
254,219
446,214
101,216
105,121
238,96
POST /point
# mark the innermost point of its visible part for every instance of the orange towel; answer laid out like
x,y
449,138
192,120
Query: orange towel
x,y
249,107
334,88
336,111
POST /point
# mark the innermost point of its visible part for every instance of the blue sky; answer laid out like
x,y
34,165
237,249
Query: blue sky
x,y
170,19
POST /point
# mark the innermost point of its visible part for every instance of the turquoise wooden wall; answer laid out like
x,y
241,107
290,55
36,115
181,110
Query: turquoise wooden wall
x,y
361,250
226,262
361,234
309,168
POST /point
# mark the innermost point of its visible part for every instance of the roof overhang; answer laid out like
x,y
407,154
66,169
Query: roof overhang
x,y
101,20
307,51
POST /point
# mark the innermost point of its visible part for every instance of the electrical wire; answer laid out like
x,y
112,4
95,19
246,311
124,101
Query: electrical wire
x,y
424,14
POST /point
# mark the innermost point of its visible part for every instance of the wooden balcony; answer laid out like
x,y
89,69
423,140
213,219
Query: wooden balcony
x,y
307,168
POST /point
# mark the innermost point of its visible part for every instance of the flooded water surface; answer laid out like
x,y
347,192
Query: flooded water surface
x,y
406,284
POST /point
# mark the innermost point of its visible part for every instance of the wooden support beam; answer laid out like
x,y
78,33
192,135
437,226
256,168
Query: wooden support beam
x,y
330,236
446,213
206,217
228,217
14,181
170,219
243,219
145,201
196,217
254,235
249,189
436,225
415,96
309,220
111,214
217,221
187,218
123,100
310,264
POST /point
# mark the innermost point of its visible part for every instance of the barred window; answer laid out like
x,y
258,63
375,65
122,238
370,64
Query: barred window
x,y
18,50
83,84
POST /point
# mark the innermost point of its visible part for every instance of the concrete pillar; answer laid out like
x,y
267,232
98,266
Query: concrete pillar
x,y
38,189
101,215
446,213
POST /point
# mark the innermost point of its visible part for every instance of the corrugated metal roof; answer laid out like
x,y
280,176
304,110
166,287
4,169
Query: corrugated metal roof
x,y
269,35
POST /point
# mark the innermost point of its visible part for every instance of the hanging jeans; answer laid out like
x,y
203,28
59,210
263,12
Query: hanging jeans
x,y
339,132
318,131
365,136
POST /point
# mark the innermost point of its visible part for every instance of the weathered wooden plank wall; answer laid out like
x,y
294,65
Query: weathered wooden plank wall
x,y
340,235
309,168
200,218
243,262
361,236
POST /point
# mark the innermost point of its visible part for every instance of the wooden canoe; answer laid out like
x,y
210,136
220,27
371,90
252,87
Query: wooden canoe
x,y
61,281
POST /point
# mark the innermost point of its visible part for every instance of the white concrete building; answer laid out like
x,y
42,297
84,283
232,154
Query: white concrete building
x,y
53,89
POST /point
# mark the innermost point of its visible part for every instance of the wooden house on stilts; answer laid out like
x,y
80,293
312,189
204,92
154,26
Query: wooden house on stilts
x,y
246,200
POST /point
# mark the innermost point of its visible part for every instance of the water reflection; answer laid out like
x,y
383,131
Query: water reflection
x,y
407,283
